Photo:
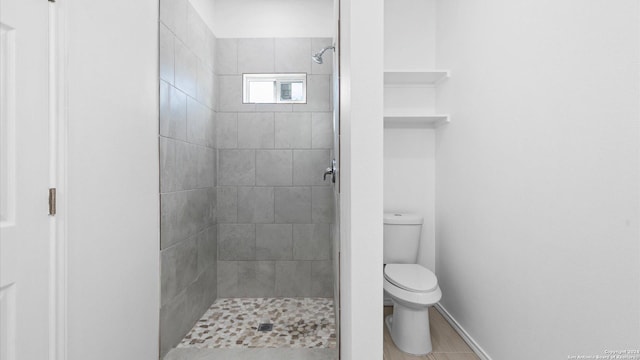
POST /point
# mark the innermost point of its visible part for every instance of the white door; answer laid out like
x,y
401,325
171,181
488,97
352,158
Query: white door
x,y
24,178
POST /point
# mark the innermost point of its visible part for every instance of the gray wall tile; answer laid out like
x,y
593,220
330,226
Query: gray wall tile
x,y
292,55
186,167
236,242
227,279
309,166
256,55
167,55
185,213
210,201
322,204
179,266
188,170
213,130
186,262
205,83
227,130
256,278
207,245
210,52
274,242
274,107
194,152
318,94
311,242
172,230
199,123
293,205
175,321
293,278
168,171
205,288
322,130
293,130
186,69
255,205
274,167
203,168
227,204
206,168
236,167
196,300
204,201
321,279
230,94
214,157
227,57
168,276
173,112
196,39
199,167
255,130
271,133
173,13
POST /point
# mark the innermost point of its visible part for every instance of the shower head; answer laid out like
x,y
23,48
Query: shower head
x,y
317,58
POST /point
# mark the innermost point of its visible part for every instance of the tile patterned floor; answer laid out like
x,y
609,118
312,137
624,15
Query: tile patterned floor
x,y
233,323
252,354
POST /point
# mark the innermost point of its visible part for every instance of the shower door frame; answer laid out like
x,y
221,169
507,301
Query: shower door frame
x,y
336,246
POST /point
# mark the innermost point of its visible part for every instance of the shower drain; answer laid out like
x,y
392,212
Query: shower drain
x,y
265,327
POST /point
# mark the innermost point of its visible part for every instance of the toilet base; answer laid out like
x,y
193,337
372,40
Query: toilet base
x,y
409,329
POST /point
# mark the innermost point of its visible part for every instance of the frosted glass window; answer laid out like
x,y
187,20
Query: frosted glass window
x,y
274,88
292,91
261,91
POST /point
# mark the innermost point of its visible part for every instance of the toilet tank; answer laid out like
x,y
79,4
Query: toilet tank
x,y
401,238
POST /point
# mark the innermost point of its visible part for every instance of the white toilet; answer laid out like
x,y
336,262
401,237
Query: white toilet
x,y
412,287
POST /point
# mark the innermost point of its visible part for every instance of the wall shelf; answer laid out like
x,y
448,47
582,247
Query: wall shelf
x,y
410,98
402,121
414,77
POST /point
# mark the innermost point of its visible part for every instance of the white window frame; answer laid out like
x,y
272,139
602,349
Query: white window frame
x,y
277,80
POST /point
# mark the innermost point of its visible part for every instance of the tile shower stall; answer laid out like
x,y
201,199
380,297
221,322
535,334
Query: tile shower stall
x,y
245,212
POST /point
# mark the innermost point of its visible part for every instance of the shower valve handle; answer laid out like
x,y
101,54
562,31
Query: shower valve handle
x,y
330,171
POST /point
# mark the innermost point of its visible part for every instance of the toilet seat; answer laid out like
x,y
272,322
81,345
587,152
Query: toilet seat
x,y
411,277
411,284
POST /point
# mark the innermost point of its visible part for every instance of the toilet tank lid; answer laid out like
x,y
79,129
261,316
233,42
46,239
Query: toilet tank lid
x,y
402,219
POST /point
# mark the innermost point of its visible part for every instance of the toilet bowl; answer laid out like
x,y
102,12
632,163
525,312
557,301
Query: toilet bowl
x,y
412,288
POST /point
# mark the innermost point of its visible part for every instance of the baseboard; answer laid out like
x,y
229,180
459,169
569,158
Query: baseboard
x,y
463,333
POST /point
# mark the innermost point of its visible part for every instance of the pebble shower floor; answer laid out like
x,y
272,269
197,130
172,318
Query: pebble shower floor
x,y
233,323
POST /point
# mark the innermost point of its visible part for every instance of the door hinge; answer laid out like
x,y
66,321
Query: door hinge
x,y
52,201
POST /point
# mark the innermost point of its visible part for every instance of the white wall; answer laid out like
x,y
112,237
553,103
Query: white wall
x,y
113,210
409,181
273,18
361,134
537,175
409,153
409,34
